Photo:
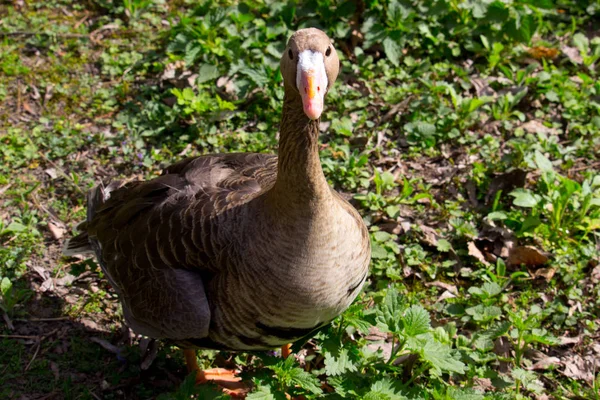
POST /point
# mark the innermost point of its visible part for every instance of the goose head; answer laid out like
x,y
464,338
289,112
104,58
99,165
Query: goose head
x,y
309,66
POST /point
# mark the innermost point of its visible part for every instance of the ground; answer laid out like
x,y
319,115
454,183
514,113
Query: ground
x,y
466,133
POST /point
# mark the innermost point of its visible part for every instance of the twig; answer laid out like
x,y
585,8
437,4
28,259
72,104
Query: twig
x,y
8,321
61,35
37,349
596,164
18,337
42,319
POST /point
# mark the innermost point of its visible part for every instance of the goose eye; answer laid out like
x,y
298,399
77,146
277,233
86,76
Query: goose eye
x,y
290,54
328,51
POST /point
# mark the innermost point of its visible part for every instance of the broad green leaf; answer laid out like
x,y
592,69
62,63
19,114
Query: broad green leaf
x,y
383,390
440,358
497,216
16,227
581,42
262,393
378,252
343,126
390,310
340,364
416,321
524,198
393,50
305,380
528,379
443,245
392,211
381,236
542,162
207,72
5,286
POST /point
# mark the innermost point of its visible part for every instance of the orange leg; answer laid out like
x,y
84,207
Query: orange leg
x,y
224,378
286,350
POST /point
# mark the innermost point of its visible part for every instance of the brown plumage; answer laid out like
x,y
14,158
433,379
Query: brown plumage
x,y
235,251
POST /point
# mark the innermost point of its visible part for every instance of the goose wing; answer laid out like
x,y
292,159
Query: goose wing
x,y
157,240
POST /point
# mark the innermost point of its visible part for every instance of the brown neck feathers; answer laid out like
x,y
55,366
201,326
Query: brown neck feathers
x,y
299,173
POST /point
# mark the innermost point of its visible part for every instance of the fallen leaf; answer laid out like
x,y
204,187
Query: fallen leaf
x,y
544,363
540,52
595,275
56,231
527,255
106,345
506,182
535,126
451,288
51,172
573,54
430,236
475,252
483,384
546,273
27,107
578,367
54,369
564,340
446,295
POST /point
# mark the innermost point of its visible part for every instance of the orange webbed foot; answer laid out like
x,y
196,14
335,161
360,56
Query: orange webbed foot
x,y
227,380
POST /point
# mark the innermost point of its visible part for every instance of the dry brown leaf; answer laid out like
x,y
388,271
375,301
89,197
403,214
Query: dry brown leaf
x,y
542,52
506,182
106,345
573,54
595,275
475,252
527,255
483,384
544,363
564,340
451,288
446,295
430,236
546,273
27,107
577,367
535,126
393,227
55,371
56,231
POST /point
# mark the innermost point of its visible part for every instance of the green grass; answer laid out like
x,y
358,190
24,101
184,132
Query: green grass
x,y
462,129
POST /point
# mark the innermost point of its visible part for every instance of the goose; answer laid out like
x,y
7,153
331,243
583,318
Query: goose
x,y
237,252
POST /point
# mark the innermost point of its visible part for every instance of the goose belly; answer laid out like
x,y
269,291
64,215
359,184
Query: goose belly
x,y
283,295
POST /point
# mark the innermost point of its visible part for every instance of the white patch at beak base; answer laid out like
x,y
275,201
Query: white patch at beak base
x,y
311,81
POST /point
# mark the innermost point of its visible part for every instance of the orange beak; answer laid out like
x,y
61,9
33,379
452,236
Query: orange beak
x,y
312,90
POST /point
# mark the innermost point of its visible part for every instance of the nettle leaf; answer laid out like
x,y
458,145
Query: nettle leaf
x,y
262,393
343,126
484,340
416,321
440,358
389,312
528,379
383,390
484,313
443,245
340,364
290,375
354,316
5,286
305,380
